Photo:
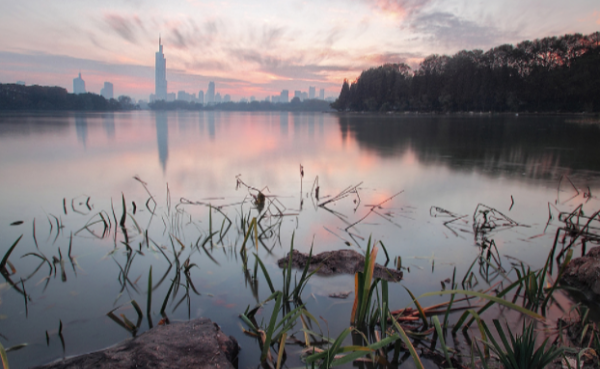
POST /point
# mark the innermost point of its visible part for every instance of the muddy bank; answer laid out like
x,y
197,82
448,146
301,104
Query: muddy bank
x,y
199,343
339,262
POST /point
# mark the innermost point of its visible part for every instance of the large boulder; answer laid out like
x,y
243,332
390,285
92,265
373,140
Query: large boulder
x,y
339,262
199,343
584,274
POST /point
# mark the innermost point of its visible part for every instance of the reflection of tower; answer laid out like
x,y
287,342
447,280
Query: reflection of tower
x,y
311,125
160,70
321,124
283,123
162,138
81,128
211,124
109,124
201,122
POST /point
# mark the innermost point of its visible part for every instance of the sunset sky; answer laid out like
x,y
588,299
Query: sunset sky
x,y
258,47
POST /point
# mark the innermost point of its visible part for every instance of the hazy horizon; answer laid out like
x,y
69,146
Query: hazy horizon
x,y
258,49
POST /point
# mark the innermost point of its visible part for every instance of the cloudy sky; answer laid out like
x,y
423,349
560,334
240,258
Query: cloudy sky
x,y
258,47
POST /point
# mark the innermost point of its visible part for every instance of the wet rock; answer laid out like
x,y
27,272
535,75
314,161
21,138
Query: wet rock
x,y
339,262
199,343
584,274
340,295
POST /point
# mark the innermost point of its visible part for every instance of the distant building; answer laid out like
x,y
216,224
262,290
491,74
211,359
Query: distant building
x,y
218,99
107,91
227,98
274,99
284,96
322,94
201,97
171,96
267,99
311,92
160,77
184,96
21,83
297,94
210,93
78,85
303,96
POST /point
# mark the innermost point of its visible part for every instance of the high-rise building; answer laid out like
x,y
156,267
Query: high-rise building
x,y
311,92
322,94
303,96
107,91
227,98
297,94
201,97
284,96
160,77
210,93
78,85
218,98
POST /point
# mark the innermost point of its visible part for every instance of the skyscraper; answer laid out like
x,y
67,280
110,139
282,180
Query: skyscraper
x,y
78,85
311,92
210,93
322,94
107,91
160,80
284,96
201,97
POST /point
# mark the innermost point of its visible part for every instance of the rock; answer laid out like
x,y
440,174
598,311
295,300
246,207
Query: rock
x,y
584,274
339,262
199,343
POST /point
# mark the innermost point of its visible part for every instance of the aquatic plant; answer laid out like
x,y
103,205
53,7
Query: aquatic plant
x,y
521,353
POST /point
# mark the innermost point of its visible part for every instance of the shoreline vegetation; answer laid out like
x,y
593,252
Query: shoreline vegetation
x,y
553,74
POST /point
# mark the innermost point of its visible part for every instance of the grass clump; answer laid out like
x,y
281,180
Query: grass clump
x,y
520,352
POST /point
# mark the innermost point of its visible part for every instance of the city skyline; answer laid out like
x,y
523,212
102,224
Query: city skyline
x,y
259,49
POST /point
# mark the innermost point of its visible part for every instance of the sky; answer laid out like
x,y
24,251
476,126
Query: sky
x,y
257,48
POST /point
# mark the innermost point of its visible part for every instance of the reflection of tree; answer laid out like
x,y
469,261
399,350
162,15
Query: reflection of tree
x,y
540,144
162,137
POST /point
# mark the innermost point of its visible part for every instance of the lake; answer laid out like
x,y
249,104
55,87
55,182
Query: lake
x,y
62,171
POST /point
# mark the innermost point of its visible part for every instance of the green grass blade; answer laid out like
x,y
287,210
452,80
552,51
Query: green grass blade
x,y
440,334
487,297
407,342
266,274
4,357
269,332
419,307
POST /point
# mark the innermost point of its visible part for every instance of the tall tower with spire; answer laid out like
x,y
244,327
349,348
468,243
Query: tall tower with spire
x,y
160,69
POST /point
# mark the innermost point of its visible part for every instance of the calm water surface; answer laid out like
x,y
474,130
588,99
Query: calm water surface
x,y
73,166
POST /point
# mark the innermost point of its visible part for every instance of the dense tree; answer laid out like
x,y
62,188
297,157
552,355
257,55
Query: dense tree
x,y
19,97
549,74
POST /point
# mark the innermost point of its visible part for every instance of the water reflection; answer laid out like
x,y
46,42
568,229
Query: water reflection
x,y
81,128
109,125
534,147
211,124
162,138
283,123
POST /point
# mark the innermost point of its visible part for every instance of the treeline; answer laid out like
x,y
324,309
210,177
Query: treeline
x,y
294,105
546,75
19,97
